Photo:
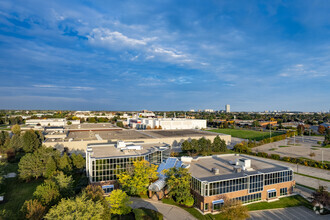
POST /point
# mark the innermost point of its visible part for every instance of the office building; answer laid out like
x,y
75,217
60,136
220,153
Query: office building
x,y
227,108
105,161
238,177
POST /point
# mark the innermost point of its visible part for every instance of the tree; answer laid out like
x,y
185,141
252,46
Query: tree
x,y
178,181
30,166
50,168
16,143
47,193
242,147
327,137
79,208
3,137
78,161
219,145
119,202
65,164
186,146
321,129
322,196
31,141
16,129
300,129
33,209
2,172
137,181
233,210
64,184
256,124
94,192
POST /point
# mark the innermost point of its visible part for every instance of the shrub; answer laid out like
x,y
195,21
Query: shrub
x,y
319,142
275,156
263,154
189,201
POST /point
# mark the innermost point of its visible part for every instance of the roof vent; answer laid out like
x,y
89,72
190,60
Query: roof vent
x,y
215,171
237,169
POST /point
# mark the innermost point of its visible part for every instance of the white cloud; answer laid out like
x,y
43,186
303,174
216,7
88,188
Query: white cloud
x,y
64,87
115,39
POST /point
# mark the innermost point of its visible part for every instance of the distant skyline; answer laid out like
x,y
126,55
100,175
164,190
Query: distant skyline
x,y
173,55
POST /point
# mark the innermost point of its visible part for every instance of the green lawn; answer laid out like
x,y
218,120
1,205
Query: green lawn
x,y
16,193
246,134
289,201
283,146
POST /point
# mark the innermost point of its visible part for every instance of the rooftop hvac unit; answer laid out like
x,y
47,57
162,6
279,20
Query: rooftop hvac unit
x,y
215,171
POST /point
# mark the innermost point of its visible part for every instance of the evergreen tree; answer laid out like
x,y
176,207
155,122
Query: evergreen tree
x,y
31,141
78,161
65,164
50,167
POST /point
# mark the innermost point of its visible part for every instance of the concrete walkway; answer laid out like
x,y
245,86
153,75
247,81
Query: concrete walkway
x,y
170,212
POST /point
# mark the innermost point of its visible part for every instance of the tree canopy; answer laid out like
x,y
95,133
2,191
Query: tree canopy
x,y
31,141
178,181
137,181
119,202
78,208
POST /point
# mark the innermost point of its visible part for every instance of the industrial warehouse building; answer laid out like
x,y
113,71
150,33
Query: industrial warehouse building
x,y
105,161
77,137
229,176
166,123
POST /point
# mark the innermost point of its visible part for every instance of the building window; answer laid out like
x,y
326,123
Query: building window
x,y
249,198
206,207
256,183
278,177
108,188
284,191
217,204
271,193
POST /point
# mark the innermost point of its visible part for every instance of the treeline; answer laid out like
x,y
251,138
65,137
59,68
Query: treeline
x,y
204,146
19,143
12,120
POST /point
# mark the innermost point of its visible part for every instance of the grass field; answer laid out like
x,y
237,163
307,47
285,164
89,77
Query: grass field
x,y
15,192
246,134
289,201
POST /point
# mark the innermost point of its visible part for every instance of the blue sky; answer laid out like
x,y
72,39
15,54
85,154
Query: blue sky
x,y
165,55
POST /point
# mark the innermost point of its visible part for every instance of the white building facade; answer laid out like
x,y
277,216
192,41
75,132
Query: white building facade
x,y
167,123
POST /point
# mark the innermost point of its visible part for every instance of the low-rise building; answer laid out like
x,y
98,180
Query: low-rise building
x,y
105,161
50,122
238,177
166,123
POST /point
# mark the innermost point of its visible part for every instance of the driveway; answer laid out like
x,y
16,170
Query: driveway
x,y
292,213
170,212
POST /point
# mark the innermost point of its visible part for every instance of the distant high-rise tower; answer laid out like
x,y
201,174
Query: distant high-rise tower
x,y
227,107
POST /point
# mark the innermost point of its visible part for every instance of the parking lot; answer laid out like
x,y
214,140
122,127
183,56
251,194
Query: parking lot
x,y
297,147
299,213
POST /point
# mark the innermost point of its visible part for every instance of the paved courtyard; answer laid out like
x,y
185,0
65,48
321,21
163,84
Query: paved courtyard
x,y
303,148
292,213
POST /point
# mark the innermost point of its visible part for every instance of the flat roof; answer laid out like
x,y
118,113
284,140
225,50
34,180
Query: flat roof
x,y
107,135
92,126
201,167
130,134
110,150
179,133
